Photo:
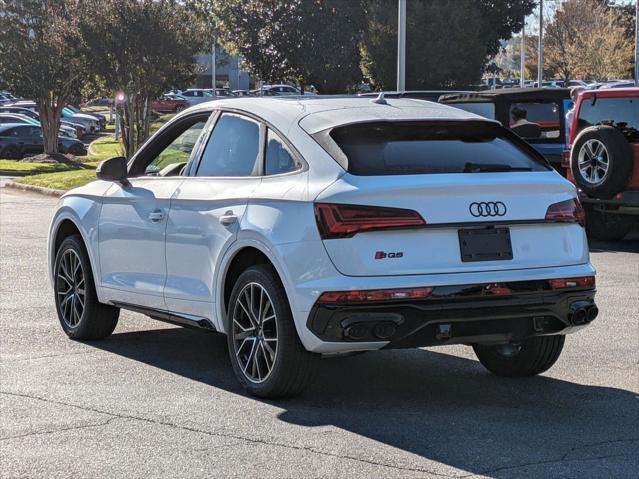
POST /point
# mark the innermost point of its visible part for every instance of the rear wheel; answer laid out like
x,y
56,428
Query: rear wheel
x,y
77,150
267,356
524,358
79,312
179,108
605,226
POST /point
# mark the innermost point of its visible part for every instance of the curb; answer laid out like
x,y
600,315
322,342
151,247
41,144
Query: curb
x,y
35,189
15,173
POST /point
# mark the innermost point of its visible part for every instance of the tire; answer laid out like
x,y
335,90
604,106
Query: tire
x,y
179,109
72,269
601,161
12,152
291,366
528,357
605,226
77,150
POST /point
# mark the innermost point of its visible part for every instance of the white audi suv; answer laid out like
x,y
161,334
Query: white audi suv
x,y
311,227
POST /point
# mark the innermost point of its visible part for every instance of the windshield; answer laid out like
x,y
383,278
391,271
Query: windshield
x,y
411,148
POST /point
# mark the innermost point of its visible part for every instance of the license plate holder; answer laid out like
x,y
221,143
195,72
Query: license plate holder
x,y
485,244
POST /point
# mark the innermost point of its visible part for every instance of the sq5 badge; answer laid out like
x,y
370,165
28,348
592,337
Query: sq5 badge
x,y
384,254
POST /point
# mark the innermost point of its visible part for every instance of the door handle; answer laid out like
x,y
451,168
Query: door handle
x,y
156,215
228,218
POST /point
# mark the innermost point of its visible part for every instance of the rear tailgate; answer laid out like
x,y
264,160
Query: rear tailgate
x,y
444,202
482,193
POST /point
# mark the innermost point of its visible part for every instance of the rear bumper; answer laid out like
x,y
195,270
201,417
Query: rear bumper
x,y
462,314
625,202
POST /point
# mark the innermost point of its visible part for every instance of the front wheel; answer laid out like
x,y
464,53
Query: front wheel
x,y
528,357
79,312
12,152
267,356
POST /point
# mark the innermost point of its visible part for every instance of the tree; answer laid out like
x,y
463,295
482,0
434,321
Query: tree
x,y
587,38
329,58
141,48
39,57
308,41
560,47
606,50
448,42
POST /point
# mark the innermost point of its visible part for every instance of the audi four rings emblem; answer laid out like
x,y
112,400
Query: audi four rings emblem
x,y
487,208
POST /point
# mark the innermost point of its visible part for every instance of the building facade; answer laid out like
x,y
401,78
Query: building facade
x,y
228,72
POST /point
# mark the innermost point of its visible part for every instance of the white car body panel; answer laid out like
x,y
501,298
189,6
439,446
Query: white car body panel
x,y
195,238
179,263
131,245
445,199
81,207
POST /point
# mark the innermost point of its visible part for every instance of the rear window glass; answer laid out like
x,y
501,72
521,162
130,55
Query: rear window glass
x,y
414,148
622,113
536,120
487,110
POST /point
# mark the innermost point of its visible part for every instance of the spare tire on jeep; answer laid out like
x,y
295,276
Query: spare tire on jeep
x,y
601,161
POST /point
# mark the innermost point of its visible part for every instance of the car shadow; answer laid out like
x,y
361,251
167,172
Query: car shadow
x,y
434,405
629,245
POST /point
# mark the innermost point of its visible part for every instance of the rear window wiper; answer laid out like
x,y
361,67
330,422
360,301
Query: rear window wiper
x,y
492,167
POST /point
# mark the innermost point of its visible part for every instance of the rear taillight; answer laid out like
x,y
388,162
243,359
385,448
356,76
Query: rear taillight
x,y
343,221
374,295
579,282
569,211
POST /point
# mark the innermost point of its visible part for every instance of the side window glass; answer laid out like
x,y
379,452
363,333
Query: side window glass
x,y
178,152
278,157
232,149
536,120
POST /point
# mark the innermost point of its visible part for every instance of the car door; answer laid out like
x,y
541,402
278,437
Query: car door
x,y
161,104
133,218
206,212
30,139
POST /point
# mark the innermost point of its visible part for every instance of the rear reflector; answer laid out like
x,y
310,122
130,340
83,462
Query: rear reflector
x,y
374,295
569,211
580,282
344,221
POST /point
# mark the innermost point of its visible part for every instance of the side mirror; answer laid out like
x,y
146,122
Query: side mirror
x,y
113,169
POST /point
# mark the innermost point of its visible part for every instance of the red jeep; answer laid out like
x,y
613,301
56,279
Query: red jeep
x,y
604,160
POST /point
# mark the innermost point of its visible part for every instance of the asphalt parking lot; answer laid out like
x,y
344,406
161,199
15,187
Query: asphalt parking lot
x,y
160,401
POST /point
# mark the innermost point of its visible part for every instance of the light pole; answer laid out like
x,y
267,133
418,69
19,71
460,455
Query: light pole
x,y
522,73
401,46
213,66
637,43
540,55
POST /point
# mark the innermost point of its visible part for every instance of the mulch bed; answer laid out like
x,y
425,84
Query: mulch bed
x,y
55,158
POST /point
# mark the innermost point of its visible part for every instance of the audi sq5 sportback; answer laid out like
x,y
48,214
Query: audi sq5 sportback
x,y
310,227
